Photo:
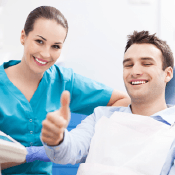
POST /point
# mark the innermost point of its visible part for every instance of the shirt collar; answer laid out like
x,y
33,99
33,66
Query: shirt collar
x,y
167,114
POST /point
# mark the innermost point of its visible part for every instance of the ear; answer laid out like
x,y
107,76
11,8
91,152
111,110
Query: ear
x,y
168,74
23,36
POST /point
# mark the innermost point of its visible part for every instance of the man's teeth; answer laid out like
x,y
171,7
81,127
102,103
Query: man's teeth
x,y
41,62
138,82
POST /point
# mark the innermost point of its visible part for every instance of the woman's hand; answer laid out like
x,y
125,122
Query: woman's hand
x,y
119,98
36,153
56,122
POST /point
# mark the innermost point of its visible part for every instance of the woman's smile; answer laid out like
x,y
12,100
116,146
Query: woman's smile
x,y
40,62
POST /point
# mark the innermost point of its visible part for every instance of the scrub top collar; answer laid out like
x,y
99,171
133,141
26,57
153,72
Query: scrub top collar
x,y
14,90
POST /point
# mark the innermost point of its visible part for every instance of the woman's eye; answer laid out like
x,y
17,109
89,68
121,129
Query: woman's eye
x,y
56,47
39,41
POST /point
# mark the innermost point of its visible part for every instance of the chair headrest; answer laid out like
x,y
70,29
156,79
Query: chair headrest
x,y
170,91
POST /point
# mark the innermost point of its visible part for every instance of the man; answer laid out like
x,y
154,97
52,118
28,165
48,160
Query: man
x,y
147,68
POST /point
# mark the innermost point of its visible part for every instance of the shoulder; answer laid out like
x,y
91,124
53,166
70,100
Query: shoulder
x,y
167,114
59,73
7,69
170,110
107,111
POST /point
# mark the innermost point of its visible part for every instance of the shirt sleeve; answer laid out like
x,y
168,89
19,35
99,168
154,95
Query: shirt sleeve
x,y
88,94
75,145
169,167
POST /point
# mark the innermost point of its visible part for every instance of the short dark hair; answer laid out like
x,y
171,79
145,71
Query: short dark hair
x,y
45,12
145,37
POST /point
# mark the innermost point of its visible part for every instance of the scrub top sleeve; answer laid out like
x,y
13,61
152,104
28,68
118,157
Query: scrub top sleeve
x,y
87,94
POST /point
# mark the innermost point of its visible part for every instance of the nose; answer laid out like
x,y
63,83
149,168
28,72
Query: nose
x,y
45,53
137,70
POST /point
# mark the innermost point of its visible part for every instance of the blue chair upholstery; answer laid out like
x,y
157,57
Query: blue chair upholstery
x,y
170,91
69,169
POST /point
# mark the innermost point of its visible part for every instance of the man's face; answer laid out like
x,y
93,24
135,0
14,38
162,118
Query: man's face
x,y
142,72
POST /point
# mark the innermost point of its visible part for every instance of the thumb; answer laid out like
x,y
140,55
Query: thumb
x,y
64,110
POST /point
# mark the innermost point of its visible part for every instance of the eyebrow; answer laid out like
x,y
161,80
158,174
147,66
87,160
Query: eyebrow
x,y
42,37
126,60
147,58
46,40
142,58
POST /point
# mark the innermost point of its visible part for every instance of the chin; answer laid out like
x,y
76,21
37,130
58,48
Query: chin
x,y
138,96
38,71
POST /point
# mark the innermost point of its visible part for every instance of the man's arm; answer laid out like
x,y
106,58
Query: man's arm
x,y
119,98
75,144
168,167
65,147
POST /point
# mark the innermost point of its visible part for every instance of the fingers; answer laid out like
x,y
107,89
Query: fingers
x,y
56,122
65,98
53,129
64,110
56,119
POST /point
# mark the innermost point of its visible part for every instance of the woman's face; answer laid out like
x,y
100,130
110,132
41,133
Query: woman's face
x,y
43,45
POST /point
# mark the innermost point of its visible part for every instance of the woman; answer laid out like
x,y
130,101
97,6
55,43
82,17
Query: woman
x,y
31,88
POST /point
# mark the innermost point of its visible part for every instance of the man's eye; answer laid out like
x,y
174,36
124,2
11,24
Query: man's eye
x,y
56,47
128,65
147,64
39,41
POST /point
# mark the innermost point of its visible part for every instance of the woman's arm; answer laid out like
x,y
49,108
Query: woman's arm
x,y
33,153
87,94
10,164
119,98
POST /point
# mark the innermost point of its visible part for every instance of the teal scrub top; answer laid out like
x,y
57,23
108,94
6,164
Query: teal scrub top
x,y
22,120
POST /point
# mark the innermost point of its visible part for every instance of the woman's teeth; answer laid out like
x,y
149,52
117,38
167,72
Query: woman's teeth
x,y
41,62
138,82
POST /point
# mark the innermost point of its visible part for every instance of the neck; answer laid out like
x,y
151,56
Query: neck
x,y
148,108
27,74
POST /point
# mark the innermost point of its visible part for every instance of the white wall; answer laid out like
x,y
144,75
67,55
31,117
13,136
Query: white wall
x,y
167,22
97,32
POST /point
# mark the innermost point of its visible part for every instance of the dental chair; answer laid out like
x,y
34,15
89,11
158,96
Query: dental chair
x,y
170,91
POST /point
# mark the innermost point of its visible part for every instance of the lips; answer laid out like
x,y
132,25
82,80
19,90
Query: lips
x,y
40,61
138,82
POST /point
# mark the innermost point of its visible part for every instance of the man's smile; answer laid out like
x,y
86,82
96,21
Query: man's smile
x,y
138,82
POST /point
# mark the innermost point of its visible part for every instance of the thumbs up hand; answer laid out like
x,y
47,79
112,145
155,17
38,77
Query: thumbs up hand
x,y
56,122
